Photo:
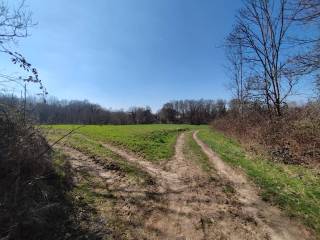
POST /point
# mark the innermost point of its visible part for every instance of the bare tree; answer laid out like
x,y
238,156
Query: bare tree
x,y
15,21
310,10
263,27
308,61
238,84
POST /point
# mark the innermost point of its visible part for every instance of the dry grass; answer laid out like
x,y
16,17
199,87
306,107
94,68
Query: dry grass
x,y
292,139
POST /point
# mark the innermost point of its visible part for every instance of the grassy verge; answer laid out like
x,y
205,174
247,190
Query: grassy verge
x,y
152,142
197,155
89,203
295,189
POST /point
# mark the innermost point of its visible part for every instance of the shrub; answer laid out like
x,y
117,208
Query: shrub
x,y
293,138
30,196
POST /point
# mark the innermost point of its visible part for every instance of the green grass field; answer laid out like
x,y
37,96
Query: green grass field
x,y
153,142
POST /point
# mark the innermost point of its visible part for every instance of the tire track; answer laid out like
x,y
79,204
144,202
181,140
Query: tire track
x,y
175,221
193,207
187,203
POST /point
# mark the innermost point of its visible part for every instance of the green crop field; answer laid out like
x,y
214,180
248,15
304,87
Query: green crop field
x,y
153,142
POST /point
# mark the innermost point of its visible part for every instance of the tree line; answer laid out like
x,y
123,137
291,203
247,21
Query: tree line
x,y
192,111
54,111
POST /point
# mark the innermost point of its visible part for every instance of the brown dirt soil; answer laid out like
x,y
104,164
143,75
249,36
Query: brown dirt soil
x,y
184,202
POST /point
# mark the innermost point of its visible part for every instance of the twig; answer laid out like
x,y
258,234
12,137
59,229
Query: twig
x,y
53,144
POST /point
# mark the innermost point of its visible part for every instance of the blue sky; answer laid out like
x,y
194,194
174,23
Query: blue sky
x,y
122,53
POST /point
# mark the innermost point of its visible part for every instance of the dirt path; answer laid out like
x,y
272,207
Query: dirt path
x,y
196,206
178,221
172,217
268,217
83,163
163,177
118,204
185,203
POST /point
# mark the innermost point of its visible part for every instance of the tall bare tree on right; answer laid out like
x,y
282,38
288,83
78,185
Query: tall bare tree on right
x,y
263,29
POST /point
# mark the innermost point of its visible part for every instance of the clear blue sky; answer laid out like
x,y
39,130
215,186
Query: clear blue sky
x,y
121,53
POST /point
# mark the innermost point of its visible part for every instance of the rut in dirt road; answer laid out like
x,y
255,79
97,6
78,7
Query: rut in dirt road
x,y
163,177
184,202
195,205
177,215
271,218
172,217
